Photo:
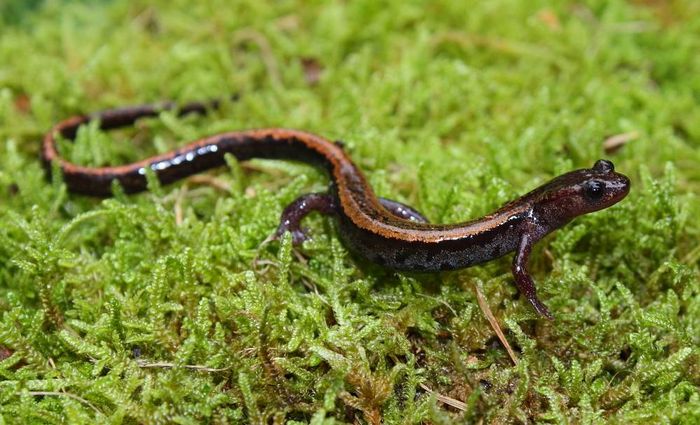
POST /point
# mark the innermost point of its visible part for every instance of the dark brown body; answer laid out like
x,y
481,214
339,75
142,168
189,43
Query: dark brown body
x,y
384,231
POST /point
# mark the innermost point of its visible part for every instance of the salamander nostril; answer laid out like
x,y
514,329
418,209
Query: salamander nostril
x,y
624,185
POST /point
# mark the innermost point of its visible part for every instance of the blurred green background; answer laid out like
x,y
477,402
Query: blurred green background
x,y
164,307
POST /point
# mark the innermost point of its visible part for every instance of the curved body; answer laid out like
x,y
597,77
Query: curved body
x,y
386,232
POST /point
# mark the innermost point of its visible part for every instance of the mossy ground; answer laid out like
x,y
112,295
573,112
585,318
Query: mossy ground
x,y
164,307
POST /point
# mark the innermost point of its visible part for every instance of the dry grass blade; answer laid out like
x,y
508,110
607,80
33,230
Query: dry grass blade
x,y
494,323
460,405
613,143
69,395
167,365
206,180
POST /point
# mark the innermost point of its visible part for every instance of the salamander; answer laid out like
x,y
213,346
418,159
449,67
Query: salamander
x,y
387,232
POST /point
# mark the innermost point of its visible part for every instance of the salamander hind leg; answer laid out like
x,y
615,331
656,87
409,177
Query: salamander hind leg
x,y
402,210
294,213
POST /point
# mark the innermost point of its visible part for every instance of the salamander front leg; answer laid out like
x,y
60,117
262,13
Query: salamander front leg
x,y
295,212
522,278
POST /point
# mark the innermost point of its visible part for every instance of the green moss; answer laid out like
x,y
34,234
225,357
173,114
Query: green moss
x,y
164,307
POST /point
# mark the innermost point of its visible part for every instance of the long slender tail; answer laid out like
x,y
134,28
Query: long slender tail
x,y
121,117
190,159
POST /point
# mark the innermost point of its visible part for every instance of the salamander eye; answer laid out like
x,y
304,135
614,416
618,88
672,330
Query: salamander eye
x,y
594,190
603,166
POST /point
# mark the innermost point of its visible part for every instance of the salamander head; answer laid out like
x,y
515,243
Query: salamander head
x,y
579,192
